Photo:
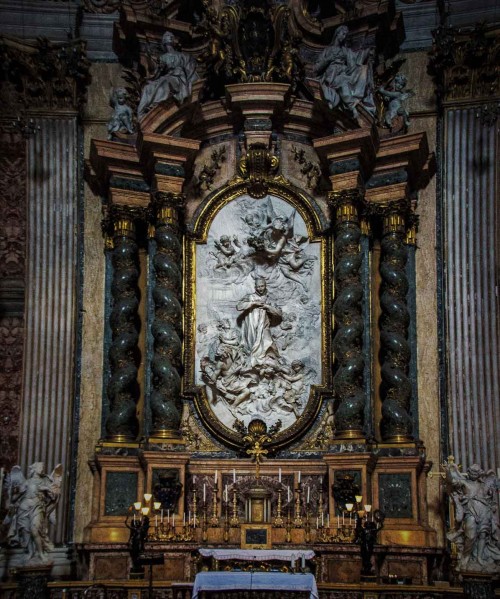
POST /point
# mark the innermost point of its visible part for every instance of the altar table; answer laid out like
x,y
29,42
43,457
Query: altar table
x,y
258,555
254,581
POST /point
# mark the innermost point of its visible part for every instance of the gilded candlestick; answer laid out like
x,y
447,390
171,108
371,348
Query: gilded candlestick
x,y
297,522
278,521
235,521
214,519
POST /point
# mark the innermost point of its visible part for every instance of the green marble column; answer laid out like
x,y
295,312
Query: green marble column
x,y
347,309
165,402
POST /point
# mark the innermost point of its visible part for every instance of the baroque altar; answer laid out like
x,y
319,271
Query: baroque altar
x,y
260,211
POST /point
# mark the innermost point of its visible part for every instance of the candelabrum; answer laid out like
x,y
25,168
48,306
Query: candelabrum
x,y
234,521
297,521
214,518
288,526
278,520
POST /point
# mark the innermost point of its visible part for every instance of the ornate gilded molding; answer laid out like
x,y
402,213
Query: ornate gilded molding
x,y
258,166
206,176
249,42
199,233
43,75
310,170
465,63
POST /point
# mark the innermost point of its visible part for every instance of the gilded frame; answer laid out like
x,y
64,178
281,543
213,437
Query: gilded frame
x,y
197,235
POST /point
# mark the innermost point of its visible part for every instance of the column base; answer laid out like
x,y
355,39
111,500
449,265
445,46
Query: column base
x,y
352,434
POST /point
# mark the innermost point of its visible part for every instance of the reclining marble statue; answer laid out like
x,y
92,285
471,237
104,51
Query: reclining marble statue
x,y
31,504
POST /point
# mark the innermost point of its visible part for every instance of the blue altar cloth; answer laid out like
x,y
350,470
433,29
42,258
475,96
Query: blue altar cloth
x,y
248,581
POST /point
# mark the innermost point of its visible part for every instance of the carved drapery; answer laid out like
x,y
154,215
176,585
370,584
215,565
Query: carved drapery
x,y
123,390
396,424
347,309
165,403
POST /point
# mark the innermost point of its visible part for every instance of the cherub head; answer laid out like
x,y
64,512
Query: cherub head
x,y
474,472
36,468
119,97
297,365
225,241
399,82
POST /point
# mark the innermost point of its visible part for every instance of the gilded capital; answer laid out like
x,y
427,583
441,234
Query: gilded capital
x,y
345,204
120,221
165,207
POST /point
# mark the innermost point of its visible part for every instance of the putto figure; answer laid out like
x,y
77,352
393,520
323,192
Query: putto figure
x,y
346,75
173,78
31,504
397,97
122,119
477,533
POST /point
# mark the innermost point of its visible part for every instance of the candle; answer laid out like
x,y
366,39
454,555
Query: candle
x,y
225,493
293,563
303,562
215,477
343,521
308,494
204,492
338,521
299,476
328,520
173,521
317,522
161,518
234,475
279,475
134,517
322,519
156,520
288,488
168,517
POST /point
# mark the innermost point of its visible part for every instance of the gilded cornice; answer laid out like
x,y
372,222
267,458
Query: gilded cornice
x,y
42,76
464,63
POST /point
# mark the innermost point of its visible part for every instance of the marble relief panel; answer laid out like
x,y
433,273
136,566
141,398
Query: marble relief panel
x,y
258,312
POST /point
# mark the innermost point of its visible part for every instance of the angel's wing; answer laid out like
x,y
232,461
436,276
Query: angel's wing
x,y
289,224
270,212
56,476
14,480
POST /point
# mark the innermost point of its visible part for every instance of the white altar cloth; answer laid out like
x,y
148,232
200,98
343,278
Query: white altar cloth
x,y
251,581
258,555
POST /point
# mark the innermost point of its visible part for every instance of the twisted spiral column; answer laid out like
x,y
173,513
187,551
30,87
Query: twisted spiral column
x,y
396,425
347,309
165,401
123,390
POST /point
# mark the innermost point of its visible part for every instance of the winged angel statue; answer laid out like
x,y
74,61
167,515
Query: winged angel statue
x,y
477,532
31,504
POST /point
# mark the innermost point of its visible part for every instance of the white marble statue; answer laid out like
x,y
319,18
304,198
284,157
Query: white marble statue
x,y
31,504
122,119
346,75
477,533
259,318
397,97
173,78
